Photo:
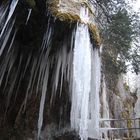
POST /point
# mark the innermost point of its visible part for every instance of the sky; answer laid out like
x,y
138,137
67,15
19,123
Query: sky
x,y
136,5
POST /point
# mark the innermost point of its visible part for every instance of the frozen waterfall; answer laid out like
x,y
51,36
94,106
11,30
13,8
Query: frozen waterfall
x,y
86,84
52,71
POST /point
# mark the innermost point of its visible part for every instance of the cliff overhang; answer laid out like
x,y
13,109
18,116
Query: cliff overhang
x,y
69,10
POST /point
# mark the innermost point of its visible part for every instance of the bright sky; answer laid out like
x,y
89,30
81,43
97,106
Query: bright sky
x,y
137,5
134,3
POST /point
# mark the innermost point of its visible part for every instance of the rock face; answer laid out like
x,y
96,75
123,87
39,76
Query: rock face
x,y
119,106
137,114
137,105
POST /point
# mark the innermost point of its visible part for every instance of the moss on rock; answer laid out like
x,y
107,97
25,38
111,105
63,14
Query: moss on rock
x,y
68,16
70,11
95,33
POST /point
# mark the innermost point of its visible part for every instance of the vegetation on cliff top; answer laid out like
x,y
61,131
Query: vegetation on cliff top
x,y
120,34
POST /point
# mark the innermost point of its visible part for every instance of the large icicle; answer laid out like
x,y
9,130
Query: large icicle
x,y
43,67
94,98
81,80
86,84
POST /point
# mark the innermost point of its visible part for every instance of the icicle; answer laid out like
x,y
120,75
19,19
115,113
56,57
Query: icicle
x,y
94,99
40,76
10,65
13,38
81,81
59,70
64,64
47,37
7,37
56,74
30,82
28,17
18,85
55,78
3,68
11,11
43,97
27,63
3,13
13,83
43,67
69,72
9,58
